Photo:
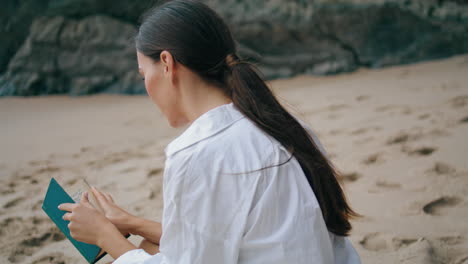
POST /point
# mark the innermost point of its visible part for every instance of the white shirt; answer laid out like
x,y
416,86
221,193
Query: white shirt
x,y
216,210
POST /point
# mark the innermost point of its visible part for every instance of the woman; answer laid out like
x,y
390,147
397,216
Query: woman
x,y
244,183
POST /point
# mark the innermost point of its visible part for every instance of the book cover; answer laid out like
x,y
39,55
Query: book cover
x,y
57,195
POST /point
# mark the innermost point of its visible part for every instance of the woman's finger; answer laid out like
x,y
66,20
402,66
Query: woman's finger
x,y
101,200
67,216
108,197
67,206
84,199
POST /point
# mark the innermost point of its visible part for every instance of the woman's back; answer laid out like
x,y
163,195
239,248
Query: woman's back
x,y
222,204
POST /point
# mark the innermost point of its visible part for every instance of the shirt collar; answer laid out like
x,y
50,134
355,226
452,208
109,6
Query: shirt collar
x,y
209,123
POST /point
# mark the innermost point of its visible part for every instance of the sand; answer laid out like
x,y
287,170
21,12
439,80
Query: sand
x,y
397,134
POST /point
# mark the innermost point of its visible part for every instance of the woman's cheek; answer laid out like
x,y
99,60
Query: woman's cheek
x,y
146,87
151,88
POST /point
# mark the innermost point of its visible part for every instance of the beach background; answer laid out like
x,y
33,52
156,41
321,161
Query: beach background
x,y
391,110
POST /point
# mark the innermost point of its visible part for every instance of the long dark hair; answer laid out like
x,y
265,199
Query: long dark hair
x,y
198,38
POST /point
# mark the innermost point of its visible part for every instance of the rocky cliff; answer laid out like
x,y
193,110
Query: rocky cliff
x,y
86,46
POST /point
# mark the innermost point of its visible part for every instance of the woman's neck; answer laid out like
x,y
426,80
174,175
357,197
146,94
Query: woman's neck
x,y
198,97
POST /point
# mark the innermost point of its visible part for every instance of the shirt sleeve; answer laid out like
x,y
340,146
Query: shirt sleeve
x,y
202,216
138,256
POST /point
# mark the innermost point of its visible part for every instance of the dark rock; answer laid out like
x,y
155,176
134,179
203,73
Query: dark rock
x,y
63,55
85,46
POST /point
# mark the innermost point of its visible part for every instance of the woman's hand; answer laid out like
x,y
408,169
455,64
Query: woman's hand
x,y
126,222
116,215
86,223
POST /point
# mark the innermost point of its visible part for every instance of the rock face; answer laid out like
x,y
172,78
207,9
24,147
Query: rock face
x,y
84,46
84,56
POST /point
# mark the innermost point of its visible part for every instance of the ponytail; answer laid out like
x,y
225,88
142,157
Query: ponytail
x,y
251,95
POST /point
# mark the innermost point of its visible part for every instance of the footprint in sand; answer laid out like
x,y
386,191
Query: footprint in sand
x,y
359,131
406,110
56,258
52,235
401,242
350,177
372,159
394,109
385,108
403,137
48,169
424,151
387,184
419,252
441,205
8,226
39,162
116,158
451,240
362,98
25,177
442,168
154,172
424,116
380,242
13,202
6,189
459,101
28,246
152,195
464,120
420,151
128,170
374,242
438,132
384,185
155,193
423,250
363,130
38,232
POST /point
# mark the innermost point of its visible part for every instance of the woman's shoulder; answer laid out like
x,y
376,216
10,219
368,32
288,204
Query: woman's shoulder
x,y
245,137
247,132
237,141
242,140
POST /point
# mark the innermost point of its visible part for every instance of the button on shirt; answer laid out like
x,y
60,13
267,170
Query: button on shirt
x,y
220,208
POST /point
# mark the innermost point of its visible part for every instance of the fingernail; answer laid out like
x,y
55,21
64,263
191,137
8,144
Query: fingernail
x,y
58,206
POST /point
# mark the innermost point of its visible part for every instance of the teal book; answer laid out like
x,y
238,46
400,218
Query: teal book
x,y
57,195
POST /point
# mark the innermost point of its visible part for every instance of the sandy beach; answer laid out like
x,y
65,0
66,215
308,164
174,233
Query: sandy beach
x,y
398,135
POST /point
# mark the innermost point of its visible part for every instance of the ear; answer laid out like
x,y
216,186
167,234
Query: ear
x,y
168,63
